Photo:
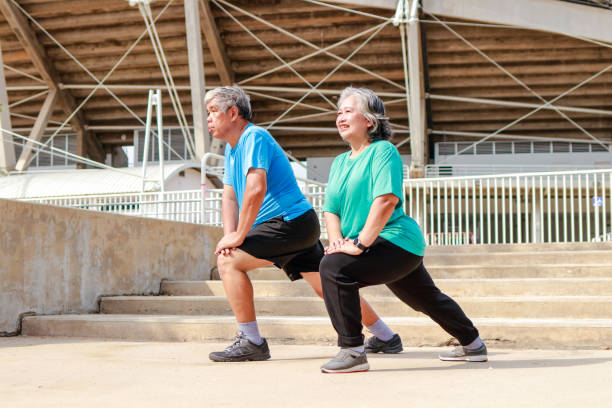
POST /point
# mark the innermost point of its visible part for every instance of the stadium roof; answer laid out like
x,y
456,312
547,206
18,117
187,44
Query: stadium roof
x,y
279,50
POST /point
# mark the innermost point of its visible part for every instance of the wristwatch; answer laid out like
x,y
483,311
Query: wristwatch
x,y
359,245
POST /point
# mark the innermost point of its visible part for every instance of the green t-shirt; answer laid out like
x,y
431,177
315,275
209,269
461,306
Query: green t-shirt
x,y
355,183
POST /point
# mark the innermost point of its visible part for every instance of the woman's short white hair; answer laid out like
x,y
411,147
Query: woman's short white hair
x,y
227,96
373,109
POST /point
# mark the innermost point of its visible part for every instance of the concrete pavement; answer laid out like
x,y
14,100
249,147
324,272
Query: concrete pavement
x,y
69,372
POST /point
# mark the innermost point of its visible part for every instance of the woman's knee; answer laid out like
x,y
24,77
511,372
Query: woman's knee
x,y
328,266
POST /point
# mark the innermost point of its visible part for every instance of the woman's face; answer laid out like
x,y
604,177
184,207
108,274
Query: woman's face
x,y
351,123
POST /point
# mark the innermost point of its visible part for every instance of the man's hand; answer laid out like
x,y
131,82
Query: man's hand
x,y
228,243
345,246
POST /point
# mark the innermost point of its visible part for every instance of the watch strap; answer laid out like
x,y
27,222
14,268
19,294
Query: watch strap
x,y
359,245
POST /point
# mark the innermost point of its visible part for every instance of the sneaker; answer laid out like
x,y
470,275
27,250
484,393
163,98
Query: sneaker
x,y
391,346
242,349
347,361
462,354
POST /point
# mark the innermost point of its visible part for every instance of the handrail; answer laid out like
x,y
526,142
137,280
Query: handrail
x,y
571,206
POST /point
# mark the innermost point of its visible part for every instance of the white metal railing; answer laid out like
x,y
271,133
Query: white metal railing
x,y
498,209
193,206
461,170
184,206
573,206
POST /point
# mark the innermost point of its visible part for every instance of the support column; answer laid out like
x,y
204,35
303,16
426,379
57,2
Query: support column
x,y
418,129
196,76
7,149
37,131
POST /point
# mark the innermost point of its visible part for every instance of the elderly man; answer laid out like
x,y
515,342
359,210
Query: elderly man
x,y
266,220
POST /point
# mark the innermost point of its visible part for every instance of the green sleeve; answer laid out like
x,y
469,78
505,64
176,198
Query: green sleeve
x,y
387,172
332,200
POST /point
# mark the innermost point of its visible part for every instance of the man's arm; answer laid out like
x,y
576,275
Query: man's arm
x,y
229,205
254,193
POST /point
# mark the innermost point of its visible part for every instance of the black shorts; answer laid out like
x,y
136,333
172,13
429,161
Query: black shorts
x,y
292,245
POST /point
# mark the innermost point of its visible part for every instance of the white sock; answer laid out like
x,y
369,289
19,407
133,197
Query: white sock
x,y
475,344
381,330
251,331
359,349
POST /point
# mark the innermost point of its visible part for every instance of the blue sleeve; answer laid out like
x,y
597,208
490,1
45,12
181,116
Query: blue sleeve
x,y
387,172
228,173
257,152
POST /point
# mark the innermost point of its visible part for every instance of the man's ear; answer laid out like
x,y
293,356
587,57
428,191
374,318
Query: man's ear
x,y
233,111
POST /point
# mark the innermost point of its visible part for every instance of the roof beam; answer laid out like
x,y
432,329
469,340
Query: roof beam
x,y
196,76
7,149
547,15
40,60
384,4
37,131
216,46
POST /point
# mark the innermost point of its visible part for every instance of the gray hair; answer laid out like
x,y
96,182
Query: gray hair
x,y
227,96
373,109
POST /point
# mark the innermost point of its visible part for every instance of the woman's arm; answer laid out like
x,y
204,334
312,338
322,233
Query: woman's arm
x,y
334,232
380,211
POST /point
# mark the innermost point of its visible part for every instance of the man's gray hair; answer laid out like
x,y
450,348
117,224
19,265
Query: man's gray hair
x,y
227,96
373,109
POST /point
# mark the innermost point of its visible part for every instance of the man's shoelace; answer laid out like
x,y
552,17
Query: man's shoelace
x,y
236,342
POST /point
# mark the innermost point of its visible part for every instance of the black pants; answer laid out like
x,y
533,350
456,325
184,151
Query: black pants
x,y
404,273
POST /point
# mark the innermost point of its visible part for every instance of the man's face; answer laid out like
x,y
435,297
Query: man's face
x,y
219,122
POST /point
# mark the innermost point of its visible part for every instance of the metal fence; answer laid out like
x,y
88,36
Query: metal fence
x,y
499,209
513,209
193,206
184,206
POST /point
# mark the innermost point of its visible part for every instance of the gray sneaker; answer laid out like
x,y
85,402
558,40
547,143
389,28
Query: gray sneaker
x,y
347,361
391,346
462,354
242,350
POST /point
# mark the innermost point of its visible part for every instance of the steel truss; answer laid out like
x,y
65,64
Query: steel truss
x,y
406,17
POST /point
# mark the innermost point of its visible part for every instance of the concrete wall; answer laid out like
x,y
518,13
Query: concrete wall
x,y
60,260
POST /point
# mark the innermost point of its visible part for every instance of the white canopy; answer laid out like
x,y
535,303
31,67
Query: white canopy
x,y
98,181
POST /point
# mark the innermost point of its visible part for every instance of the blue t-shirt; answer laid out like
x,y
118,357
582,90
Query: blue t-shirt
x,y
257,149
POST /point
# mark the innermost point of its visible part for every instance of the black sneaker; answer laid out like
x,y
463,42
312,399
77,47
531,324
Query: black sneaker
x,y
391,346
242,349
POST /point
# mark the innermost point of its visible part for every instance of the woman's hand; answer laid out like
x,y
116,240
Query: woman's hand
x,y
345,246
334,245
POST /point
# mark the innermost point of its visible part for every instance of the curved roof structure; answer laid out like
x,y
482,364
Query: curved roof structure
x,y
483,76
91,181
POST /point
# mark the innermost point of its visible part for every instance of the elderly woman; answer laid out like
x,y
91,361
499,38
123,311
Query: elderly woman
x,y
373,242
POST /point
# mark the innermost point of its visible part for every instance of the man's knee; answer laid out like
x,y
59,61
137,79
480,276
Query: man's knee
x,y
225,265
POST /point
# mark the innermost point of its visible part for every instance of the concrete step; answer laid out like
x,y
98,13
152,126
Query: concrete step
x,y
553,270
517,333
452,287
516,248
522,258
508,307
